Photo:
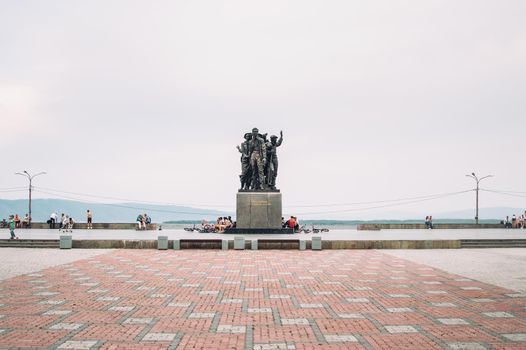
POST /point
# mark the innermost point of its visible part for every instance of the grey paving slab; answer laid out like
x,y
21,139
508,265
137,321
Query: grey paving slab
x,y
19,261
503,267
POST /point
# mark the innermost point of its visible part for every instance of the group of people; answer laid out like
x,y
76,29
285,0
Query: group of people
x,y
65,222
516,222
143,220
429,222
222,223
291,223
19,223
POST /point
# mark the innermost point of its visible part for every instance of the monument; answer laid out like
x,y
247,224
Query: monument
x,y
259,202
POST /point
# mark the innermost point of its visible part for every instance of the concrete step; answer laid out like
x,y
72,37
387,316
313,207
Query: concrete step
x,y
29,243
493,243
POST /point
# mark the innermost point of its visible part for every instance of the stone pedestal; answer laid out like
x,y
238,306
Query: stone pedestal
x,y
258,210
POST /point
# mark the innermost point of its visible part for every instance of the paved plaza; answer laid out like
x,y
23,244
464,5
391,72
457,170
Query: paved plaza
x,y
192,299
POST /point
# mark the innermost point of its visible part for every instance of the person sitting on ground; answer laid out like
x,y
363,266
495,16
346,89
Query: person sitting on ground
x,y
220,224
228,223
291,223
140,221
25,222
297,226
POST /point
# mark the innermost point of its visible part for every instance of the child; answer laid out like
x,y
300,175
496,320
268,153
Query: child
x,y
12,225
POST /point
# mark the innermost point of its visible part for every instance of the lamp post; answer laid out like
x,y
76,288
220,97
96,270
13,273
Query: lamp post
x,y
30,178
474,177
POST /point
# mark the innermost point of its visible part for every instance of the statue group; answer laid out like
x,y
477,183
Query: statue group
x,y
259,161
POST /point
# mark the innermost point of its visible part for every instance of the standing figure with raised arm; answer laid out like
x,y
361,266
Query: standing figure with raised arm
x,y
257,151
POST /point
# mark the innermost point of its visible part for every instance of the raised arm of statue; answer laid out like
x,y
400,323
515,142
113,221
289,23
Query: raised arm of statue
x,y
280,139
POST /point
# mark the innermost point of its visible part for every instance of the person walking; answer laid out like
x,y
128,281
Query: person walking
x,y
12,226
90,218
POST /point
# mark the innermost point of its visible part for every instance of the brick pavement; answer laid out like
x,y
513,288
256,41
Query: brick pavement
x,y
190,299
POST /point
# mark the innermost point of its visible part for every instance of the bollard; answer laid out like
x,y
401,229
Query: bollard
x,y
239,243
162,242
303,244
316,243
254,244
224,244
177,244
66,242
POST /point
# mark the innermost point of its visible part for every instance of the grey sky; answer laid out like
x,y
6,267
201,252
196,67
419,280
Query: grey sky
x,y
377,100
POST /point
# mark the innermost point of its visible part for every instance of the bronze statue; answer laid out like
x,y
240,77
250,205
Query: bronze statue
x,y
272,159
259,161
246,174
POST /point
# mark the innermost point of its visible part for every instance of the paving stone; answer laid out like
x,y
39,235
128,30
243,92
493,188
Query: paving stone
x,y
68,326
294,321
107,299
515,337
310,306
121,308
351,315
358,300
138,320
159,337
444,304
466,346
340,339
231,329
452,321
57,312
482,300
274,346
401,329
232,301
179,304
257,310
202,315
399,309
78,345
498,314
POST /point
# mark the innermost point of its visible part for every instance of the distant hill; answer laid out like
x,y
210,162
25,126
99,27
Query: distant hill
x,y
115,212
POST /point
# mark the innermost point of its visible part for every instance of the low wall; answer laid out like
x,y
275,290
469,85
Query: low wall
x,y
98,226
271,244
375,227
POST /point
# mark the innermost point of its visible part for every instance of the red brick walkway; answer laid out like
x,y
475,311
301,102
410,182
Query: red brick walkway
x,y
147,299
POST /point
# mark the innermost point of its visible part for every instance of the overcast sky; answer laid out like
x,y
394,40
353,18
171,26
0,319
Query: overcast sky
x,y
376,99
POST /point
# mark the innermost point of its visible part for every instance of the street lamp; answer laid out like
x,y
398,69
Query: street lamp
x,y
30,178
474,177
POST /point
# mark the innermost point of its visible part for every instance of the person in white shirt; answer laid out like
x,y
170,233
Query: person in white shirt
x,y
52,220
